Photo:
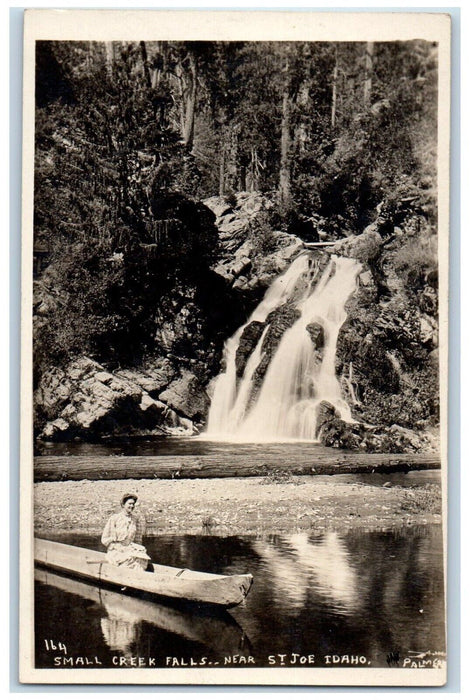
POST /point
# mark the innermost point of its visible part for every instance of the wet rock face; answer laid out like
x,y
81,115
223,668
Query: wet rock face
x,y
332,431
325,414
279,320
317,334
248,341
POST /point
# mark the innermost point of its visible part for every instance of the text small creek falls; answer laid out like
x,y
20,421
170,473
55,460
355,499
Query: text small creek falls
x,y
283,404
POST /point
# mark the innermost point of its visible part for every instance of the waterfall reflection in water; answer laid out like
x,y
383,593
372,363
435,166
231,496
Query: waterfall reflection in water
x,y
298,566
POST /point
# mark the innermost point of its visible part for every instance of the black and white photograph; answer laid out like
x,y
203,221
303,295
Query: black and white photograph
x,y
234,350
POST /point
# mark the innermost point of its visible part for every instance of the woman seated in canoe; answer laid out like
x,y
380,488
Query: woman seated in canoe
x,y
122,536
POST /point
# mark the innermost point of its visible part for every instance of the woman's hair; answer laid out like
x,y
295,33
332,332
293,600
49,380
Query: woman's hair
x,y
128,497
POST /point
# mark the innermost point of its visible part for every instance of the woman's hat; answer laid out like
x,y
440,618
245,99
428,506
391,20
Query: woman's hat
x,y
127,496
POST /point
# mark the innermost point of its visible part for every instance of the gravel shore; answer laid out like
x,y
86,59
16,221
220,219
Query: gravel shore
x,y
237,506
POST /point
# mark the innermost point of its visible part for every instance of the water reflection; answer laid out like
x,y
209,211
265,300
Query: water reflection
x,y
359,592
176,446
296,566
328,562
124,615
119,632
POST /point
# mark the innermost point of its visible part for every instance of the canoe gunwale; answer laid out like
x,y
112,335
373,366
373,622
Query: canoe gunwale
x,y
207,589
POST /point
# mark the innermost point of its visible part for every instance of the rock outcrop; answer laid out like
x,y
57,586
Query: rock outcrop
x,y
186,396
387,347
279,320
365,247
87,402
248,341
332,431
247,260
317,334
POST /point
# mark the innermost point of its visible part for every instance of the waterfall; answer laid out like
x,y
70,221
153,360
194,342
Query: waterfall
x,y
298,377
226,386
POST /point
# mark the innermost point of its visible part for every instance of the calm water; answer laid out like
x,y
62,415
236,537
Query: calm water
x,y
365,594
176,446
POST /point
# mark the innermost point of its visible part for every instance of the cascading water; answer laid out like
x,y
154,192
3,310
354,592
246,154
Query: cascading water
x,y
297,379
225,392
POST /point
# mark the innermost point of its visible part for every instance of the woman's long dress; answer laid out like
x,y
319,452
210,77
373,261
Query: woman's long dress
x,y
122,536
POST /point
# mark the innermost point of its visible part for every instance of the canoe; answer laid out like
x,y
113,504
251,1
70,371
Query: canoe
x,y
216,629
164,581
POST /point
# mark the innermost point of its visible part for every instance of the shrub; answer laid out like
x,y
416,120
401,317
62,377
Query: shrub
x,y
231,198
414,259
261,234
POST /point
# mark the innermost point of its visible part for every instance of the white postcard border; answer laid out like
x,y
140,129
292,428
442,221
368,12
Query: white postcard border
x,y
105,25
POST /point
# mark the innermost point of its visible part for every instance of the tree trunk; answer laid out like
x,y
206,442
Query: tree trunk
x,y
334,92
145,64
90,55
369,52
157,70
217,466
255,170
243,178
109,48
222,169
232,165
301,136
190,103
284,172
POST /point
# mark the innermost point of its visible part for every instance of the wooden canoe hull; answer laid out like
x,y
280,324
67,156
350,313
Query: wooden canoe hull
x,y
166,581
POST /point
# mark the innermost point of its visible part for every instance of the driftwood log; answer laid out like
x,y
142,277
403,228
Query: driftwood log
x,y
220,466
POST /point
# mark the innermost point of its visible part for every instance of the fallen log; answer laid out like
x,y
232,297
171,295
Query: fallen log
x,y
47,468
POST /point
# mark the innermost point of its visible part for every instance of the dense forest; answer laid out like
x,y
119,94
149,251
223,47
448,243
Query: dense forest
x,y
322,140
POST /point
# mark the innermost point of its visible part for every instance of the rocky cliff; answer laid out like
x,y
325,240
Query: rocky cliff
x,y
387,354
251,254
